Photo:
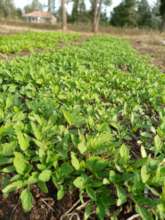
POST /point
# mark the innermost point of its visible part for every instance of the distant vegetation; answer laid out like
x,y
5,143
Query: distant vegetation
x,y
8,10
129,13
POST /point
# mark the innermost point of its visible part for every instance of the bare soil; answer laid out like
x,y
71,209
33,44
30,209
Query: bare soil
x,y
45,206
151,45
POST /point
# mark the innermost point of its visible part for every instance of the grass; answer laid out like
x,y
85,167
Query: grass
x,y
87,119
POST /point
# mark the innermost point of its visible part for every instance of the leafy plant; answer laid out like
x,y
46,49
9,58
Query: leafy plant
x,y
79,120
31,41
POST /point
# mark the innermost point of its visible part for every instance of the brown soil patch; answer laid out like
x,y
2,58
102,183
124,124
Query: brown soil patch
x,y
151,45
45,206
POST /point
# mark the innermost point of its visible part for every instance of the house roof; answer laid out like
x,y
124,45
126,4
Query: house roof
x,y
38,14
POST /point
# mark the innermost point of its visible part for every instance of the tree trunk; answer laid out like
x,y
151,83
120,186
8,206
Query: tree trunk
x,y
96,15
94,25
49,5
163,23
64,15
75,11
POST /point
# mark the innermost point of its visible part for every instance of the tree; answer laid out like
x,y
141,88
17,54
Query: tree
x,y
103,18
162,13
64,15
35,5
79,11
7,8
75,10
49,6
125,14
156,19
96,12
144,14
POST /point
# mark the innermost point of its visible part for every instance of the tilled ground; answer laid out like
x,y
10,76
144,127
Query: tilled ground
x,y
45,207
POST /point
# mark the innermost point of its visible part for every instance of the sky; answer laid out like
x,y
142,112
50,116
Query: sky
x,y
22,3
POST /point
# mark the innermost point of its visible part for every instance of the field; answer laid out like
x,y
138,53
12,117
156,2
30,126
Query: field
x,y
82,129
31,41
148,42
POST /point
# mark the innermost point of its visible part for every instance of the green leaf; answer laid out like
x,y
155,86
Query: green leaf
x,y
145,174
45,175
96,165
9,101
73,118
65,170
113,177
69,117
36,131
124,153
80,182
23,140
144,213
43,187
60,193
143,152
99,143
106,181
5,160
91,193
101,209
8,169
82,147
158,143
101,212
13,187
75,161
161,210
163,192
104,201
20,163
26,200
7,129
88,211
122,196
8,148
33,178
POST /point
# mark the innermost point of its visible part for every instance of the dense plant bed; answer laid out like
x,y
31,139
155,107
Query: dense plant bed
x,y
30,41
89,118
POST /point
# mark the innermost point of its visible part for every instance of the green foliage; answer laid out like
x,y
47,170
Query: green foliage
x,y
125,14
34,6
162,7
144,14
87,117
20,163
162,13
26,199
136,13
30,41
45,175
8,9
78,11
